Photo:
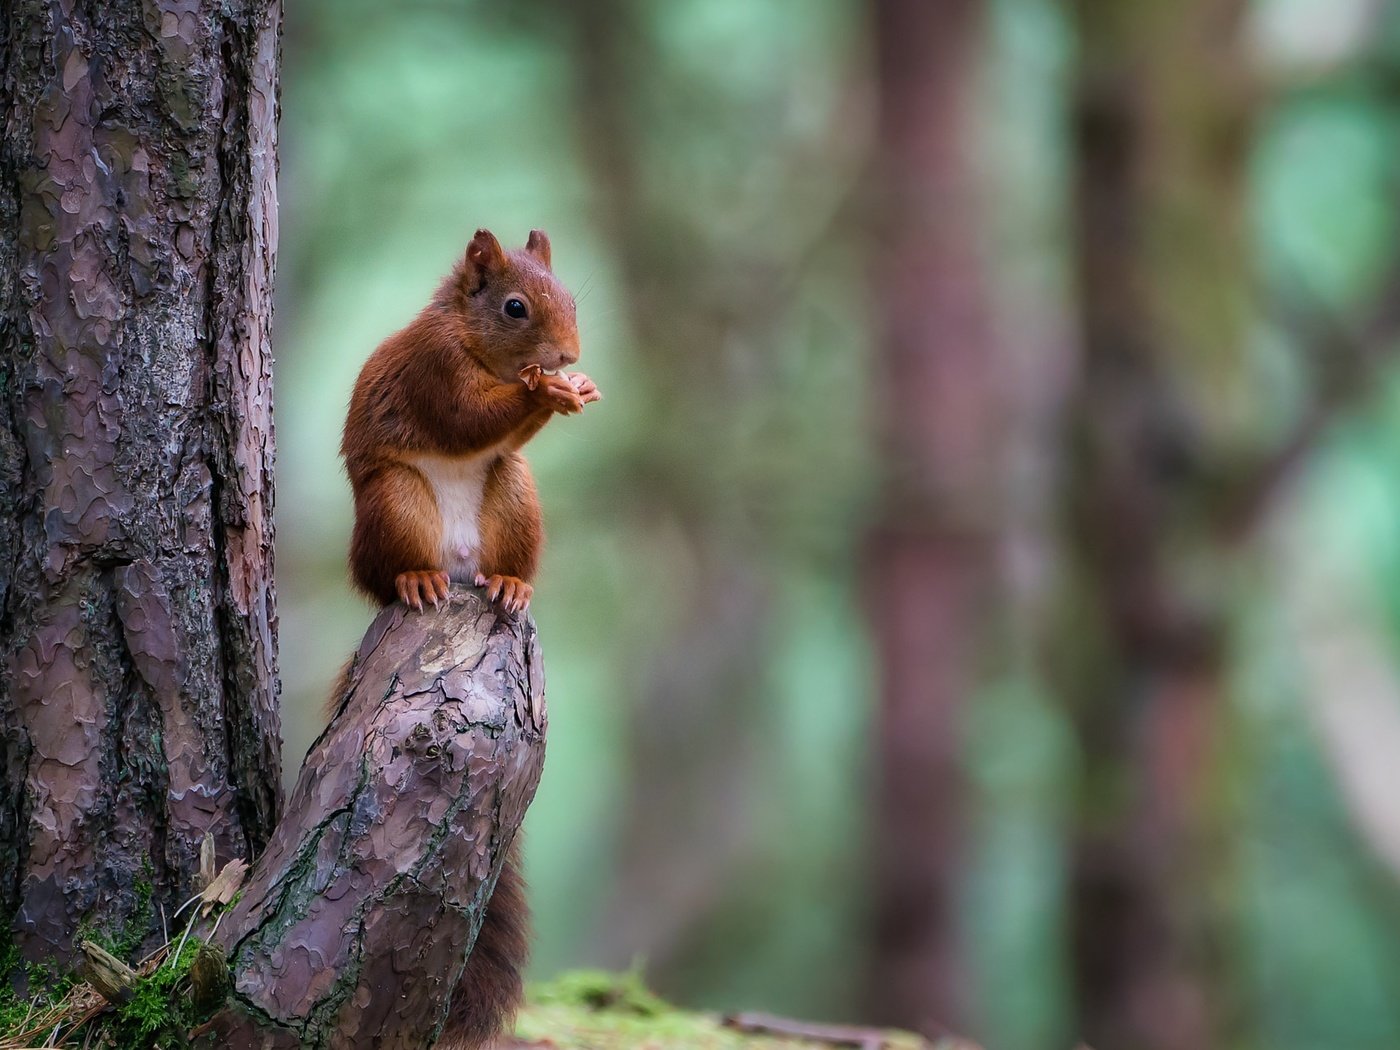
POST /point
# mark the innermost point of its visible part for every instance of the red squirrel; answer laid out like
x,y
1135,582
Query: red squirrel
x,y
442,494
438,417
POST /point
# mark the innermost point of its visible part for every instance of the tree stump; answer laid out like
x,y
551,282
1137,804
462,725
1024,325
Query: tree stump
x,y
355,925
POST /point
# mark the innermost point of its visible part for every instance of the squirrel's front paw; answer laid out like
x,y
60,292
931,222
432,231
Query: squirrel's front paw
x,y
510,592
586,389
414,588
558,393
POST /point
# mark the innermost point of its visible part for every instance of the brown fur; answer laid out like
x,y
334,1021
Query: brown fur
x,y
491,987
450,384
511,530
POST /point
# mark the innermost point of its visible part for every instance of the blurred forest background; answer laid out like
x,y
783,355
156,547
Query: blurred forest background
x,y
976,602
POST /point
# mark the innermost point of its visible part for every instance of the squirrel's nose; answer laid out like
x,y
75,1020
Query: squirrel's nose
x,y
552,354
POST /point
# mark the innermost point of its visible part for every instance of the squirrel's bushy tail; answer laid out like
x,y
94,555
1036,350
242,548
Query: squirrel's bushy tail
x,y
491,987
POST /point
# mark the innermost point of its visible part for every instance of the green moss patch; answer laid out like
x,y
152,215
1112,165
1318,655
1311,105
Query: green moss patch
x,y
70,1013
593,1010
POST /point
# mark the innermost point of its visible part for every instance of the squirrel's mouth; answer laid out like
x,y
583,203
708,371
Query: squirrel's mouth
x,y
531,375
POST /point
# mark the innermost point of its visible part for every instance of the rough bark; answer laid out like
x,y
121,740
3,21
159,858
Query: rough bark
x,y
931,555
137,620
1161,130
354,926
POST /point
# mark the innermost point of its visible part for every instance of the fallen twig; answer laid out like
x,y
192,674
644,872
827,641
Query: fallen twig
x,y
833,1034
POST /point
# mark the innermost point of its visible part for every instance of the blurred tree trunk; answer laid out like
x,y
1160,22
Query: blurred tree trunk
x,y
931,557
1161,127
138,700
691,298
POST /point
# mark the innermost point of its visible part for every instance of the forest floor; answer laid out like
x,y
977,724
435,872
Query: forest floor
x,y
583,1010
591,1010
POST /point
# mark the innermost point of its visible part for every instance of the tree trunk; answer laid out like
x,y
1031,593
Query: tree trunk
x,y
356,923
1161,132
138,632
691,298
931,557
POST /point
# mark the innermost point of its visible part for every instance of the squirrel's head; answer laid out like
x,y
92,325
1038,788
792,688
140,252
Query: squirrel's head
x,y
515,309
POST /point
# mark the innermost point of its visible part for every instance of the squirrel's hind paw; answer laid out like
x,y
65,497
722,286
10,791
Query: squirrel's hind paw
x,y
414,588
511,593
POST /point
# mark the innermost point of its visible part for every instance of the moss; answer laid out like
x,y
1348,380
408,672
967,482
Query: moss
x,y
124,941
9,957
52,983
593,1010
138,923
584,1010
160,1004
13,1009
13,1012
158,1015
600,990
44,989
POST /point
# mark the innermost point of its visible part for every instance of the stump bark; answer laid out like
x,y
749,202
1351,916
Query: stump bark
x,y
356,923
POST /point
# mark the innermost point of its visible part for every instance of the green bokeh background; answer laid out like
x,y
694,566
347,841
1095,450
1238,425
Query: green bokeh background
x,y
406,126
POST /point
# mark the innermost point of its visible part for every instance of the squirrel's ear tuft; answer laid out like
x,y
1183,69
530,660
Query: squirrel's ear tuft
x,y
484,257
538,246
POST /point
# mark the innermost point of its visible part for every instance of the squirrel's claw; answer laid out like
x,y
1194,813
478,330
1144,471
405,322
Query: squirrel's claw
x,y
511,593
415,587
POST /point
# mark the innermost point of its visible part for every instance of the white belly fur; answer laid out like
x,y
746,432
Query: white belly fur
x,y
458,484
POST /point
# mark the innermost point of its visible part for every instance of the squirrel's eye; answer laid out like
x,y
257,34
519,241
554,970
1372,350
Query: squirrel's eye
x,y
516,308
